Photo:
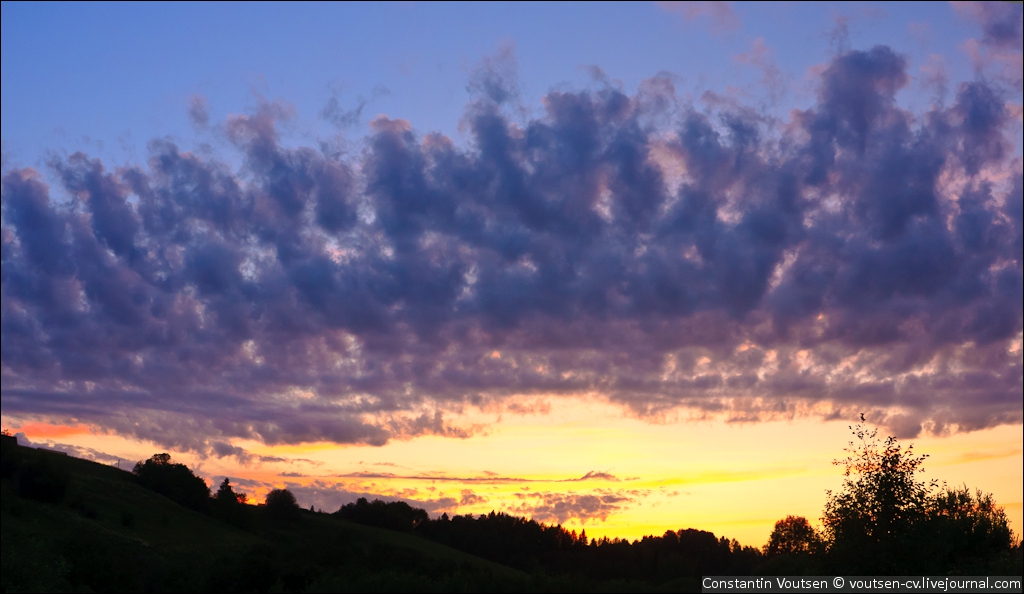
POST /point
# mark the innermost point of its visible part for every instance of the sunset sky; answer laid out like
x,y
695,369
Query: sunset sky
x,y
624,267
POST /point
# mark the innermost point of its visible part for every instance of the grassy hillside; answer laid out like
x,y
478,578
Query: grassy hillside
x,y
102,532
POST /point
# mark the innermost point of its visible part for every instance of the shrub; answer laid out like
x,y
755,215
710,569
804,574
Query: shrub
x,y
281,505
174,481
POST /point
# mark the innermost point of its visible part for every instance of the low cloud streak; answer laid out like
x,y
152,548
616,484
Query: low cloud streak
x,y
559,508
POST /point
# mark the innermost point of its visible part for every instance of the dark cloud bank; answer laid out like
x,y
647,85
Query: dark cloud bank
x,y
699,258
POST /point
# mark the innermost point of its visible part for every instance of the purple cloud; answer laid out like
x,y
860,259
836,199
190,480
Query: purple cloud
x,y
857,258
723,17
1002,23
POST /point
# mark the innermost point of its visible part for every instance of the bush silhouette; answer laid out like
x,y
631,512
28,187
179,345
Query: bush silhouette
x,y
281,505
174,481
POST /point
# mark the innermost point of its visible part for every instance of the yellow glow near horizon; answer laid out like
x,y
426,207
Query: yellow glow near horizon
x,y
734,480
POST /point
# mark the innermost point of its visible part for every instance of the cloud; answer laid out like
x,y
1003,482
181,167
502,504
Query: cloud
x,y
934,76
975,456
1002,23
562,507
199,111
331,496
72,450
839,34
762,57
722,16
246,483
487,478
597,476
471,498
496,77
857,257
999,52
337,115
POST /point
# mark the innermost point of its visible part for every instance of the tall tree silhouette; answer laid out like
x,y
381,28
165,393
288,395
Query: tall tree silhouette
x,y
880,501
226,494
230,505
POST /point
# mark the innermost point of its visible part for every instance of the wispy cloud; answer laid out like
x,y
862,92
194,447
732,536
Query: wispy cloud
x,y
72,450
488,478
721,15
979,455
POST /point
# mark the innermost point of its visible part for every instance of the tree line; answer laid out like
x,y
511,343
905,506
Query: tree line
x,y
884,520
178,483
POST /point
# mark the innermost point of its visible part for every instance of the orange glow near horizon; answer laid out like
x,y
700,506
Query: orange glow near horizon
x,y
644,478
45,431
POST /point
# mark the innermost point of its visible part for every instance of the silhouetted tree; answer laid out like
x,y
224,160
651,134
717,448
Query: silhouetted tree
x,y
793,535
230,506
394,515
174,481
794,548
880,501
885,521
227,495
281,505
967,533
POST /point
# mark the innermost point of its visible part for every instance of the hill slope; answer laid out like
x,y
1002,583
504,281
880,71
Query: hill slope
x,y
95,529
